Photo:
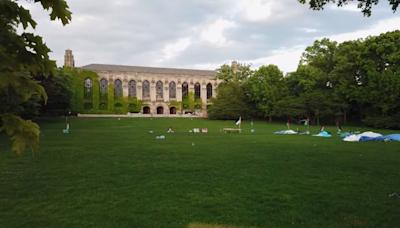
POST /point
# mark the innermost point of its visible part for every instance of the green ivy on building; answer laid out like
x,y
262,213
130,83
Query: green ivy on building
x,y
93,102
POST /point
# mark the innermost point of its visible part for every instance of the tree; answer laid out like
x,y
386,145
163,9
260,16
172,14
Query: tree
x,y
290,107
230,102
346,77
227,73
379,67
59,89
12,103
20,55
364,5
320,55
265,88
315,73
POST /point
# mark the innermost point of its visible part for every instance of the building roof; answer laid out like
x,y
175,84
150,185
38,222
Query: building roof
x,y
141,69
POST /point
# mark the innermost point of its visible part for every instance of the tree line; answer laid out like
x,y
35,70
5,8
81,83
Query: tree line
x,y
355,81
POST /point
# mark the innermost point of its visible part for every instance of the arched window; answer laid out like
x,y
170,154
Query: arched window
x,y
209,90
172,90
197,90
185,88
132,88
146,89
159,89
118,88
88,92
103,86
88,85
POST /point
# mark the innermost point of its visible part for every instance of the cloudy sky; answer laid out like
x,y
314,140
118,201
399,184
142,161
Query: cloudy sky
x,y
202,34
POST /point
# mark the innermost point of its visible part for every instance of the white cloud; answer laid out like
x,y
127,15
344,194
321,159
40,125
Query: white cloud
x,y
172,50
308,30
264,11
288,59
255,10
375,30
207,66
111,31
214,32
348,7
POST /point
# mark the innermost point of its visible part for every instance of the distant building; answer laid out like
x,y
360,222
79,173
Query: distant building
x,y
157,87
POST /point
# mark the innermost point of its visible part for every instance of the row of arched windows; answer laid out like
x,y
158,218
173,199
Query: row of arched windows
x,y
146,89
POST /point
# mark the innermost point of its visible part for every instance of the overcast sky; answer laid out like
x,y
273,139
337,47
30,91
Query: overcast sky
x,y
201,34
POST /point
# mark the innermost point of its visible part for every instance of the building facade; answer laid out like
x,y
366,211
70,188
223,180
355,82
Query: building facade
x,y
158,88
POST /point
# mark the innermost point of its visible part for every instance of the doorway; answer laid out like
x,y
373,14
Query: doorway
x,y
146,110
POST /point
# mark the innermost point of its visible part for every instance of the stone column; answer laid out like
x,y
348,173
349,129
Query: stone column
x,y
179,92
166,91
203,95
153,91
139,90
125,88
191,87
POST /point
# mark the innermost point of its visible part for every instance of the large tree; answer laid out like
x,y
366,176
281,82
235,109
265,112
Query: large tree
x,y
264,88
320,55
59,89
20,55
230,102
365,6
229,74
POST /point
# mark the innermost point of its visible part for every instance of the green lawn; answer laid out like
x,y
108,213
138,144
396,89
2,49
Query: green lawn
x,y
114,173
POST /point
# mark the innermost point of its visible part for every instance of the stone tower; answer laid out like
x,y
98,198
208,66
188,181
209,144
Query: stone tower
x,y
69,59
234,67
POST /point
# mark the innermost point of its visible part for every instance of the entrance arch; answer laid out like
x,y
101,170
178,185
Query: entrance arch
x,y
172,110
146,110
160,110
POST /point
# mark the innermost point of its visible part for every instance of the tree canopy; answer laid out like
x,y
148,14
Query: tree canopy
x,y
230,102
365,6
22,55
355,80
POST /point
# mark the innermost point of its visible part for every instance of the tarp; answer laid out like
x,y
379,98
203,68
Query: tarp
x,y
356,138
352,138
323,134
391,137
285,132
371,136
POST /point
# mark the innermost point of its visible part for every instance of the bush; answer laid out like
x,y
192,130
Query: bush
x,y
388,122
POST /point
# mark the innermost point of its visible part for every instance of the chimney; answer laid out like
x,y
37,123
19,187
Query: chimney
x,y
234,67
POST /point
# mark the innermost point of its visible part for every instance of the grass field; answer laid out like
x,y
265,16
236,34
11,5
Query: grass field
x,y
114,173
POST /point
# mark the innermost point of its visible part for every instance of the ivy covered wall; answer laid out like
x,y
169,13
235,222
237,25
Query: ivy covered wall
x,y
189,103
93,102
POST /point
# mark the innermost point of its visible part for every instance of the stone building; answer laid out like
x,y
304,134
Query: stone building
x,y
156,87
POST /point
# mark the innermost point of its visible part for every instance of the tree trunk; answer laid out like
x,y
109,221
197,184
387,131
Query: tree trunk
x,y
270,118
318,120
315,117
344,117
